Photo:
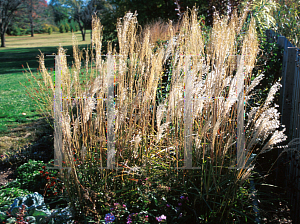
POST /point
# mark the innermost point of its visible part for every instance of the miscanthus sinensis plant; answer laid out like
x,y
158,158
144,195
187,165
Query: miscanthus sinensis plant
x,y
149,131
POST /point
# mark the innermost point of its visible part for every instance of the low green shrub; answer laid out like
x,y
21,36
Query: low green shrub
x,y
55,28
62,28
67,27
50,30
74,26
8,195
288,20
33,177
45,28
269,63
16,31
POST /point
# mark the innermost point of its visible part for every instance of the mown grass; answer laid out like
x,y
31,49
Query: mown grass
x,y
44,40
15,107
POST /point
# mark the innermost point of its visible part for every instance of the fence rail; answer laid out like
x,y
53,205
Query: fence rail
x,y
290,117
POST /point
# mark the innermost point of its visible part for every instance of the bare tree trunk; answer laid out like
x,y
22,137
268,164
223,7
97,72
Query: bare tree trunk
x,y
2,39
82,33
6,14
31,26
92,36
31,19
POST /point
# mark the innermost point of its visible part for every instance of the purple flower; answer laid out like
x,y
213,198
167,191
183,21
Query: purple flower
x,y
179,204
181,197
168,205
111,209
129,220
124,206
186,198
109,218
160,218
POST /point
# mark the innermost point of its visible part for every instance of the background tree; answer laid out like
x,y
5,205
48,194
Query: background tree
x,y
263,12
147,10
60,9
287,16
82,12
31,17
7,9
35,8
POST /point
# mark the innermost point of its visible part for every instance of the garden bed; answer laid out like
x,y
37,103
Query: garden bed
x,y
276,212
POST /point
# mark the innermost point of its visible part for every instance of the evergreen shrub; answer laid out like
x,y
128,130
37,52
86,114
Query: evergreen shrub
x,y
62,28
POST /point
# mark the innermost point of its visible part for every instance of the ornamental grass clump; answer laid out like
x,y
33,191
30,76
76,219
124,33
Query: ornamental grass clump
x,y
149,127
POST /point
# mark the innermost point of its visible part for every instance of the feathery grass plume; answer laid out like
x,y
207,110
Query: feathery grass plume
x,y
254,83
43,96
46,77
250,49
277,137
271,94
97,41
76,68
65,77
157,121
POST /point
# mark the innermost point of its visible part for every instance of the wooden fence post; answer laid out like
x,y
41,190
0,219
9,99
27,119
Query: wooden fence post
x,y
288,90
283,42
57,114
294,133
110,114
188,115
290,112
240,113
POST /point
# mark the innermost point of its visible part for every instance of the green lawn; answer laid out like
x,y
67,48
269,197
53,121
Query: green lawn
x,y
15,107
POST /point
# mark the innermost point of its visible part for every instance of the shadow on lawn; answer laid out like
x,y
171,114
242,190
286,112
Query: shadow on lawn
x,y
28,141
11,60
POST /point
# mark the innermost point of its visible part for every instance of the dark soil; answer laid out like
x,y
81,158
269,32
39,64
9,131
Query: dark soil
x,y
273,200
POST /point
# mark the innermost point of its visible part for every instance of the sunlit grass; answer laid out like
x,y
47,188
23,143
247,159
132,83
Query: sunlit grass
x,y
44,40
20,51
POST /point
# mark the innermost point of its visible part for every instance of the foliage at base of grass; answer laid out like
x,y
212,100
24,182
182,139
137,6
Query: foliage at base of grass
x,y
8,195
33,176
